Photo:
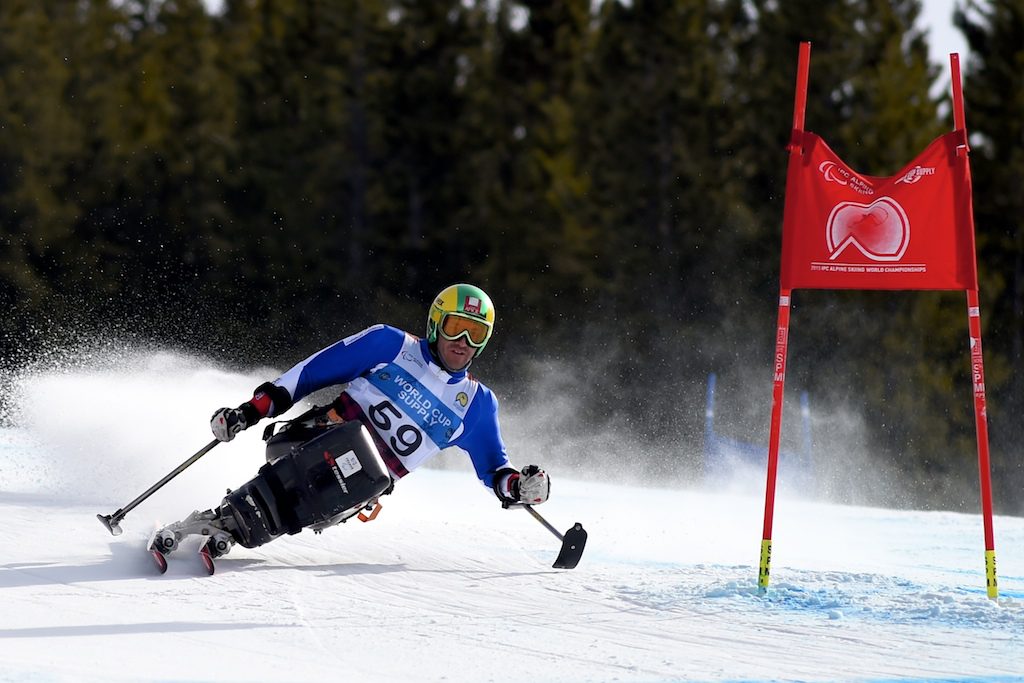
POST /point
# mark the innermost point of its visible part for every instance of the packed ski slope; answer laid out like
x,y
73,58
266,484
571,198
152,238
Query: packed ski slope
x,y
447,586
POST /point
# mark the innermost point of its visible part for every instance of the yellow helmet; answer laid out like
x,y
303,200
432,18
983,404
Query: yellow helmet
x,y
461,311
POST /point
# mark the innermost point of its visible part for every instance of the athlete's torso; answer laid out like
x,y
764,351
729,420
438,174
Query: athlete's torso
x,y
412,405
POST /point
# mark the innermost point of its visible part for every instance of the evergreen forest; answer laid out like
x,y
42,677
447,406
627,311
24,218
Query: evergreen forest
x,y
254,181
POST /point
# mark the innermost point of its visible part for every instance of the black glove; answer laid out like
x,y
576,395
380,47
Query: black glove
x,y
227,422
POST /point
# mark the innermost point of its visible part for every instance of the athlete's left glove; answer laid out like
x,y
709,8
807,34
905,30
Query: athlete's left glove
x,y
228,422
532,486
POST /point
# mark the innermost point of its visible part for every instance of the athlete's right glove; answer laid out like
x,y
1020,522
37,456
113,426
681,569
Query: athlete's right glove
x,y
227,422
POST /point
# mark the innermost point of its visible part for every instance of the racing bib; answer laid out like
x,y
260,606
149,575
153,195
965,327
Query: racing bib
x,y
412,405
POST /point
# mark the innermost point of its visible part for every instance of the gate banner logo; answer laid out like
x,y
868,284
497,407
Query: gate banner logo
x,y
846,230
828,170
880,230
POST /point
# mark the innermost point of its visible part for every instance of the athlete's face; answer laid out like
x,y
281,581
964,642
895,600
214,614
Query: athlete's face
x,y
455,354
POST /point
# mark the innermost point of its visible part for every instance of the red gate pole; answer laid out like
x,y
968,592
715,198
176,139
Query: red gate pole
x,y
977,367
981,425
781,347
778,390
959,120
800,99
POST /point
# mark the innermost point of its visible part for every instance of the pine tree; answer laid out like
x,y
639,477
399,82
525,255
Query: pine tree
x,y
41,138
151,82
526,188
302,184
994,104
428,51
869,98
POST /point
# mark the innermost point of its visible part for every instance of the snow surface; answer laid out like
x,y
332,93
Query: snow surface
x,y
447,586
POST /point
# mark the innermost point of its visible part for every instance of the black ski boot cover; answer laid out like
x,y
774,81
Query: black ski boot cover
x,y
336,471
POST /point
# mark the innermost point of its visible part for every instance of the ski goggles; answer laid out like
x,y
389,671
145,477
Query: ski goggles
x,y
475,331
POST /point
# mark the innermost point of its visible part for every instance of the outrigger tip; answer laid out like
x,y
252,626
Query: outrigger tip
x,y
112,526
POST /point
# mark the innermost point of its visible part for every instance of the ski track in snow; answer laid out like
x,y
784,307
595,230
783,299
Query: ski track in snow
x,y
459,590
447,586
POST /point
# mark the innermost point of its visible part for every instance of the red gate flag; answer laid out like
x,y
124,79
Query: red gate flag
x,y
844,230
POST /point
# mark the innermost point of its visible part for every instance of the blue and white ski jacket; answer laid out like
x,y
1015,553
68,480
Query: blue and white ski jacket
x,y
412,406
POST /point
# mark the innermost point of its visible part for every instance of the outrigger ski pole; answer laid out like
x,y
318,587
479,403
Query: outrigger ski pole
x,y
573,541
113,522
